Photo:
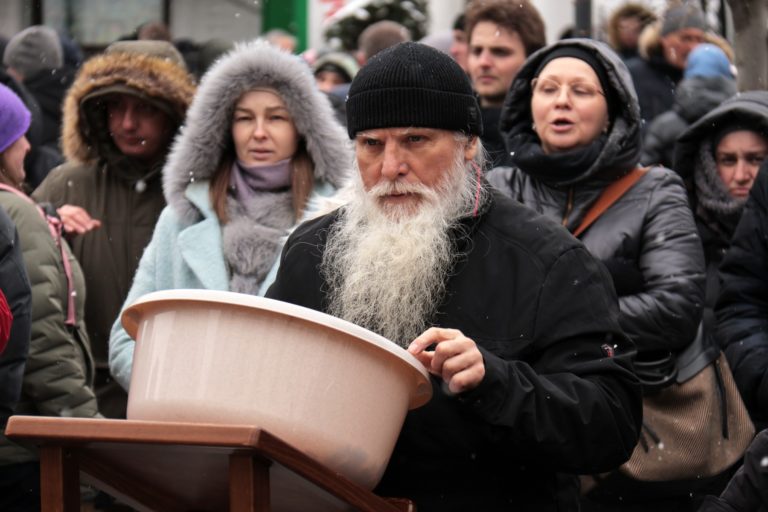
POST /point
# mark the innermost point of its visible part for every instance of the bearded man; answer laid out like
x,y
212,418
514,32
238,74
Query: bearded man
x,y
516,322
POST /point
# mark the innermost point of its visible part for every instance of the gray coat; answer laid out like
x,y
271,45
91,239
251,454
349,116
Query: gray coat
x,y
647,239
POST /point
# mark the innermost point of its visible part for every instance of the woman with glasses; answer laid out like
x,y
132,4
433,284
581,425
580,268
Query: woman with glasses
x,y
571,122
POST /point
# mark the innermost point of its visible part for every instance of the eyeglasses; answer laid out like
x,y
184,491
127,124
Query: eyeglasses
x,y
577,91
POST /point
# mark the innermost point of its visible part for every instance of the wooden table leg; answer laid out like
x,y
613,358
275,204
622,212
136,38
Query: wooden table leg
x,y
248,483
59,480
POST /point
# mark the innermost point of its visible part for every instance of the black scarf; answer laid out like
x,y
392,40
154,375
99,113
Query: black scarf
x,y
555,168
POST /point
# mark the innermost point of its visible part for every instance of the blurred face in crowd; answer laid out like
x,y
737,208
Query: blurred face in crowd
x,y
138,128
495,57
568,105
327,80
263,129
629,29
459,48
738,157
677,45
12,161
401,165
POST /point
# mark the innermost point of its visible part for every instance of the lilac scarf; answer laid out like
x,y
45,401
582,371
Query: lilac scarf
x,y
246,181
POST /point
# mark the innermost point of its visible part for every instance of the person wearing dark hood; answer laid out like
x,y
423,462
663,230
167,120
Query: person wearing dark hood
x,y
708,81
260,143
664,48
572,120
625,26
526,384
119,120
742,306
719,158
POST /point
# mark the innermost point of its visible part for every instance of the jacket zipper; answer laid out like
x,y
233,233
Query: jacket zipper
x,y
568,207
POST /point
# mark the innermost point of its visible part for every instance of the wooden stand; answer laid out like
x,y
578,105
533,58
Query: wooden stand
x,y
168,467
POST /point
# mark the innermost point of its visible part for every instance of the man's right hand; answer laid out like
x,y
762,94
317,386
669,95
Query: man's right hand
x,y
76,220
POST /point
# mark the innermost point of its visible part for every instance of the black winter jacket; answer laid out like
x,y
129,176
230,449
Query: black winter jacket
x,y
694,161
748,489
655,82
647,238
742,308
694,97
15,286
553,400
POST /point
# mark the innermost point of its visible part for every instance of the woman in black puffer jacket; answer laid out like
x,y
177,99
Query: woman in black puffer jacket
x,y
647,239
572,123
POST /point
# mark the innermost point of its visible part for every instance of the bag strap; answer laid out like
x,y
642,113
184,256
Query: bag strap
x,y
610,195
55,228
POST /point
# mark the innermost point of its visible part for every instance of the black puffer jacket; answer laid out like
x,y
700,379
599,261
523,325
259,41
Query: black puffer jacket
x,y
748,489
742,308
647,239
715,212
694,97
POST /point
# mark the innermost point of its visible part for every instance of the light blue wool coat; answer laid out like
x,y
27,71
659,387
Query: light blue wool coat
x,y
189,247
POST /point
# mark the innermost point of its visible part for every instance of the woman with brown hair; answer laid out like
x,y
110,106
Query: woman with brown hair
x,y
259,140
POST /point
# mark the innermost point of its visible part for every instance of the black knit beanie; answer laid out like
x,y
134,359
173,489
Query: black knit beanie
x,y
411,84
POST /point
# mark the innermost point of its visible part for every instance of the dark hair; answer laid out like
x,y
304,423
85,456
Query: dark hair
x,y
519,16
460,22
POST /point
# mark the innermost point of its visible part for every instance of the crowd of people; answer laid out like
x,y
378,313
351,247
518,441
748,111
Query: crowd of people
x,y
558,232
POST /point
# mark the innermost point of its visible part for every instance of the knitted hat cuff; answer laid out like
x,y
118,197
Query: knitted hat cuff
x,y
403,107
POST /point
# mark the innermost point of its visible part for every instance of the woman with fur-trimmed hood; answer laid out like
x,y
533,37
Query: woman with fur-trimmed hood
x,y
120,116
259,141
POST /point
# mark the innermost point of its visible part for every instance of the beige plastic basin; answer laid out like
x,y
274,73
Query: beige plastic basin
x,y
334,390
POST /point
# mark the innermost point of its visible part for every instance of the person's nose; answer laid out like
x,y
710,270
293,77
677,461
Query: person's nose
x,y
392,165
744,172
485,59
129,121
259,129
563,96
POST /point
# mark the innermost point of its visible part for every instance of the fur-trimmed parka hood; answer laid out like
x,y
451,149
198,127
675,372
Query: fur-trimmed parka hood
x,y
199,147
632,9
621,151
158,80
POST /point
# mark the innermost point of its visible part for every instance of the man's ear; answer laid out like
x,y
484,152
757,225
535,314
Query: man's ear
x,y
471,149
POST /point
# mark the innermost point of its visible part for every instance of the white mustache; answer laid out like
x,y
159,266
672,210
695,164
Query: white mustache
x,y
386,188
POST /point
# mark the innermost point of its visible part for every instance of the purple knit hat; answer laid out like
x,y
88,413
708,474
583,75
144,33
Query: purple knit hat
x,y
14,118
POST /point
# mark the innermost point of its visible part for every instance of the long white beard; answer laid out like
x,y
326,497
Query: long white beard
x,y
387,270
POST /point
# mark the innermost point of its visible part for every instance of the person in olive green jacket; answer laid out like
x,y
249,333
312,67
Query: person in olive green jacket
x,y
59,371
120,116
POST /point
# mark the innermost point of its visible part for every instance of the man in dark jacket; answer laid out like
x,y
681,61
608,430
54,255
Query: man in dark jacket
x,y
742,308
516,322
664,50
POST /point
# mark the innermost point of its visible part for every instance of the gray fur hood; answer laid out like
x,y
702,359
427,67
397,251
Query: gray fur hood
x,y
621,151
199,146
